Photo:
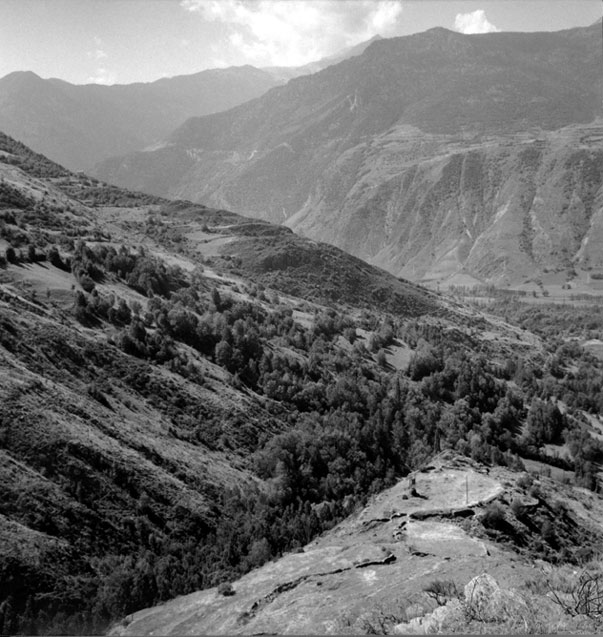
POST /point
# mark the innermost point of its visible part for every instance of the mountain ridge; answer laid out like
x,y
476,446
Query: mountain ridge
x,y
126,116
79,125
322,153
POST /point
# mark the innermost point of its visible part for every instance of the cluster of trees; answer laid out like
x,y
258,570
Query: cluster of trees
x,y
101,194
11,197
465,401
30,255
141,272
553,320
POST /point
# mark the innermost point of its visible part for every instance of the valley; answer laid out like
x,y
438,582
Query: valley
x,y
305,349
189,395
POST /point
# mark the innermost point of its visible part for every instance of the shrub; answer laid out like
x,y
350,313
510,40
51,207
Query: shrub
x,y
11,255
442,590
226,589
494,517
518,508
585,596
87,283
525,481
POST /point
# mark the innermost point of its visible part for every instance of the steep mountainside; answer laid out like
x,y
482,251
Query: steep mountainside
x,y
79,125
409,154
499,209
187,394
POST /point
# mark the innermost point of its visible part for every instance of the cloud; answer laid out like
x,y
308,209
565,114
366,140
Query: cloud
x,y
474,22
294,32
101,75
98,53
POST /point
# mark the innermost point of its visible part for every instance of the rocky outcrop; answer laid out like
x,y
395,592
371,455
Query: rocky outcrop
x,y
488,602
483,601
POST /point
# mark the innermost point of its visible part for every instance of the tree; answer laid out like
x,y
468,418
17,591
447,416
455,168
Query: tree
x,y
123,315
224,354
216,300
87,283
11,255
259,553
55,258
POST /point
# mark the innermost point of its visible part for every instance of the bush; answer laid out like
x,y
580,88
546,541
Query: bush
x,y
442,591
11,255
518,508
525,481
226,589
494,517
585,596
87,283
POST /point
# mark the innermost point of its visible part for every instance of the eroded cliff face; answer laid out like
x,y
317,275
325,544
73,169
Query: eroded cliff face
x,y
500,209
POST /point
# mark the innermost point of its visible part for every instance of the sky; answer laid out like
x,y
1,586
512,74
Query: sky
x,y
124,41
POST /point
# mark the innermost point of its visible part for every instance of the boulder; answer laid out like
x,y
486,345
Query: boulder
x,y
486,601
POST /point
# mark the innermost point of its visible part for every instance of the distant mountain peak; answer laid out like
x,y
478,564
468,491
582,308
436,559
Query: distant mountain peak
x,y
22,77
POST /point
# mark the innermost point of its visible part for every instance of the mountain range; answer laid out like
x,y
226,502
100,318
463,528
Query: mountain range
x,y
81,125
425,154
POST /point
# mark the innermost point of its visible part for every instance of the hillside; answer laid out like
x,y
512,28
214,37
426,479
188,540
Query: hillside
x,y
188,394
424,155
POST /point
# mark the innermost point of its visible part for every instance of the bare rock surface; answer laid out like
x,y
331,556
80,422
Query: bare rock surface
x,y
488,602
379,556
